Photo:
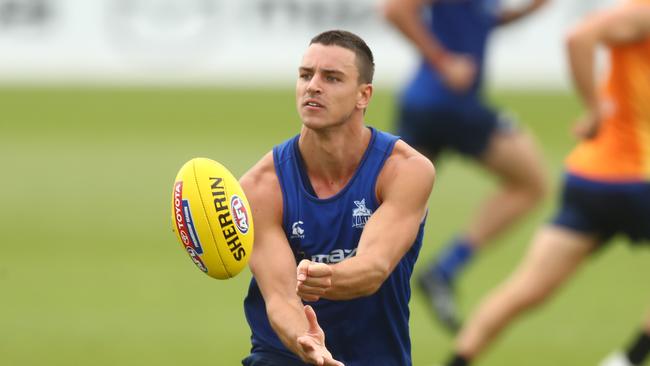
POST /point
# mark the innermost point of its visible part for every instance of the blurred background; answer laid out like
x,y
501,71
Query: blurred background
x,y
102,101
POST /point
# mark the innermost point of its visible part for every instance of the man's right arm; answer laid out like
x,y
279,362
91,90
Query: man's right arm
x,y
274,268
458,71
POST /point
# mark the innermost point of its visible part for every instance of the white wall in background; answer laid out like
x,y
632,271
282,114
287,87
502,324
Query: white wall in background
x,y
240,42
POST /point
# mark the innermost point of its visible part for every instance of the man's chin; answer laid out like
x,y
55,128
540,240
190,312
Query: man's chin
x,y
315,123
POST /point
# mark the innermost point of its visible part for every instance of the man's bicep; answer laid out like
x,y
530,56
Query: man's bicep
x,y
409,191
404,203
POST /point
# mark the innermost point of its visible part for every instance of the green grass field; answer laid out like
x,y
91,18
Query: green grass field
x,y
90,273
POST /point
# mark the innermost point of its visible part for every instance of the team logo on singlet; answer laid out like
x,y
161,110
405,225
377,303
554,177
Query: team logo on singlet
x,y
297,231
361,214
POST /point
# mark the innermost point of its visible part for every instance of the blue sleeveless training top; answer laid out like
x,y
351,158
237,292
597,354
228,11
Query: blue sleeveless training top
x,y
462,26
372,330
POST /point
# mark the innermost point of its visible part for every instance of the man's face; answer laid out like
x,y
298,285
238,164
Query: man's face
x,y
327,90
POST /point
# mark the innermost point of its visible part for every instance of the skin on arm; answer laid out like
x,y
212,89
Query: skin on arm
x,y
625,24
403,188
458,71
273,266
510,15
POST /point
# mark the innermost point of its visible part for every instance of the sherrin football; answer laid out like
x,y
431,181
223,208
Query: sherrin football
x,y
212,218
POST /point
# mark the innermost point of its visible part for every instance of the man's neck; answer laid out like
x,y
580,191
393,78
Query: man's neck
x,y
332,156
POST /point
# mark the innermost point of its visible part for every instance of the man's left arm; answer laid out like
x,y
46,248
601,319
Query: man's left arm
x,y
510,15
403,189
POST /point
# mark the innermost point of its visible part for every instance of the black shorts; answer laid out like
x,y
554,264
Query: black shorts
x,y
605,209
271,359
467,130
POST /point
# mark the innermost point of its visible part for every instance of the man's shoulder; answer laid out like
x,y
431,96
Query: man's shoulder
x,y
406,178
405,163
404,153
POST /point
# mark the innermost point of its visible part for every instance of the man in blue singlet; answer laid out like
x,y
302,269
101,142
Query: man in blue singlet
x,y
339,213
442,108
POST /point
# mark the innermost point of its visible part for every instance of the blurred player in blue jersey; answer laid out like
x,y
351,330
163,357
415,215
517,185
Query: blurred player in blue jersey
x,y
606,189
339,213
442,109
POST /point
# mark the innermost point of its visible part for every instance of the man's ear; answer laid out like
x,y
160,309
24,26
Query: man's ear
x,y
364,95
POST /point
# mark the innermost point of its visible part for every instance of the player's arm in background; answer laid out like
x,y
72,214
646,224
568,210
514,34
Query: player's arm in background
x,y
274,268
623,24
403,188
458,71
509,15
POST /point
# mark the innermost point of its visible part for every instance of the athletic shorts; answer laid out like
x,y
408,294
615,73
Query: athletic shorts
x,y
270,359
605,209
467,129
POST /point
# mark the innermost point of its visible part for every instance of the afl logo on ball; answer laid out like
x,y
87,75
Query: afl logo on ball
x,y
196,259
240,215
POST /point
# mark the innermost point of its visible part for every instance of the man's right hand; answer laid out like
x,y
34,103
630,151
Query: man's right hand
x,y
312,343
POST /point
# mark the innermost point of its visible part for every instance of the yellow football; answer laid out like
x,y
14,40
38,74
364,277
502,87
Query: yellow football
x,y
212,218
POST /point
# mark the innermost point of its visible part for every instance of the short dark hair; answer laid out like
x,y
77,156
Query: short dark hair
x,y
364,59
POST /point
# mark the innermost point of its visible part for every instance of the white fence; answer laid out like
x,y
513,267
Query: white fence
x,y
239,42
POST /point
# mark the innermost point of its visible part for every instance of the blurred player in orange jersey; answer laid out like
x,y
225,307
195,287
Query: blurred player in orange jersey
x,y
607,185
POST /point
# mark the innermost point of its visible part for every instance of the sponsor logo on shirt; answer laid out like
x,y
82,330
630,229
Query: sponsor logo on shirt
x,y
335,256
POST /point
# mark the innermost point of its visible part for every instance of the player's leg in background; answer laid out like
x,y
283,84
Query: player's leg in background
x,y
638,348
514,158
637,351
553,256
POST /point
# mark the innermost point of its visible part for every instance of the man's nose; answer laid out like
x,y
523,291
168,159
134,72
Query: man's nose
x,y
314,86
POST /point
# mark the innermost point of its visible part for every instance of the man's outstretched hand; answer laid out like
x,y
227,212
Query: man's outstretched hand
x,y
312,343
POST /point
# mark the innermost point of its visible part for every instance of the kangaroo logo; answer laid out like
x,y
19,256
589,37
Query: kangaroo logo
x,y
361,214
297,231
